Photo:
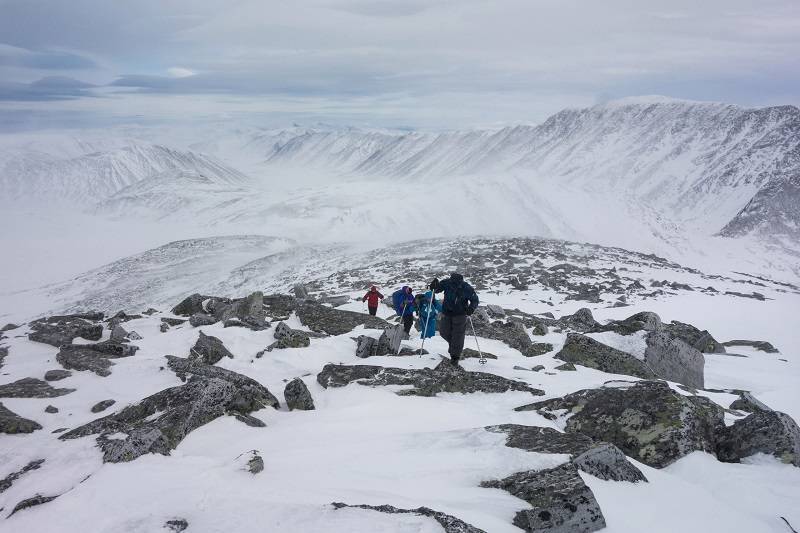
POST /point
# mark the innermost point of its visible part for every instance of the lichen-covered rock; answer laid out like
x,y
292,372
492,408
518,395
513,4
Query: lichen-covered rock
x,y
422,382
644,321
60,330
582,321
56,375
647,420
694,337
749,403
298,396
763,346
606,461
102,406
323,319
9,480
31,388
769,432
209,350
449,523
562,503
93,357
672,359
586,351
12,423
158,423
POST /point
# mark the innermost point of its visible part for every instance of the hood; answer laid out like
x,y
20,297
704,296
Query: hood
x,y
373,289
406,288
456,277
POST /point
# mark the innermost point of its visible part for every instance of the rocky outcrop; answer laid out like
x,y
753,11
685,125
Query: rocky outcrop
x,y
286,337
56,375
510,332
9,480
769,432
449,523
63,329
205,310
763,346
586,351
3,355
537,348
158,423
33,502
93,357
101,406
600,459
582,321
647,420
672,359
421,382
561,501
12,423
201,319
31,388
209,350
645,320
298,396
323,319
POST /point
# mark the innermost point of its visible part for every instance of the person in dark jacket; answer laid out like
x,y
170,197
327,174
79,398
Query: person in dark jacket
x,y
373,298
460,301
403,301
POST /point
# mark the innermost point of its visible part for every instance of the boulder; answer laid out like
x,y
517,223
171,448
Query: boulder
x,y
8,327
158,423
119,334
644,321
510,332
769,432
177,525
647,420
93,357
763,346
749,403
323,319
582,321
56,375
674,360
586,351
287,337
449,523
301,292
566,367
369,346
12,423
537,348
256,464
495,311
173,321
202,319
561,501
51,409
102,406
697,339
164,327
60,330
9,480
298,396
196,303
469,353
421,382
606,461
209,350
31,388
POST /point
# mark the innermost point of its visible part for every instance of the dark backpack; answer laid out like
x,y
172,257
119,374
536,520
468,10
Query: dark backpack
x,y
454,302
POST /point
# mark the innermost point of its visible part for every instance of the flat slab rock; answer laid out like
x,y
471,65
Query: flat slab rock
x,y
449,523
423,382
95,358
600,459
63,329
11,423
31,388
647,420
586,351
158,423
562,503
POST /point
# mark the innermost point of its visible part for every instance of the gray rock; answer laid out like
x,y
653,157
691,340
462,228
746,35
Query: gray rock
x,y
9,480
449,523
202,319
60,330
301,292
119,334
334,300
562,503
56,375
158,423
539,328
748,402
51,409
586,351
194,304
255,465
177,525
298,396
606,461
543,440
582,321
697,339
150,311
287,337
469,353
510,332
323,319
495,311
250,420
93,357
763,346
769,432
422,382
647,420
566,367
8,327
644,321
32,502
12,423
103,405
537,348
164,327
672,359
173,321
3,355
209,350
31,388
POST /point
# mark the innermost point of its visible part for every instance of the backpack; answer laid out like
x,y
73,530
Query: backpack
x,y
454,302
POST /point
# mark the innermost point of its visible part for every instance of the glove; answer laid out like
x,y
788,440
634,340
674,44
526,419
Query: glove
x,y
470,311
434,284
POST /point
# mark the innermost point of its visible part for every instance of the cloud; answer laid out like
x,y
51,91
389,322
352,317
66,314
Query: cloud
x,y
43,59
45,89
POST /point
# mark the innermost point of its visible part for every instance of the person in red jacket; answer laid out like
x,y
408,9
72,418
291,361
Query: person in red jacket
x,y
373,298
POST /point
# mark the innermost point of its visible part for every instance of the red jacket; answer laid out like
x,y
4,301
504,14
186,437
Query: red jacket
x,y
373,298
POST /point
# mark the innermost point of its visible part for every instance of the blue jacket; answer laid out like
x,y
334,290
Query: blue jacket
x,y
403,302
425,319
459,296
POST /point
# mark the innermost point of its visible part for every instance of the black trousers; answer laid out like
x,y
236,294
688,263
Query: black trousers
x,y
453,329
408,320
372,310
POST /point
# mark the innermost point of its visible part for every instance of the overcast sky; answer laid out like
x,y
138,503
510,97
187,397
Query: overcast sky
x,y
433,64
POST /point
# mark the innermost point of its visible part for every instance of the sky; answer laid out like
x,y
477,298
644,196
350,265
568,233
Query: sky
x,y
435,64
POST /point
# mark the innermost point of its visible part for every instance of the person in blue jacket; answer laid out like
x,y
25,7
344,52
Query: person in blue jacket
x,y
460,301
428,308
403,301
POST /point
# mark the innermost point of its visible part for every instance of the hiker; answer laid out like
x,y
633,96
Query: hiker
x,y
373,298
403,301
428,308
459,302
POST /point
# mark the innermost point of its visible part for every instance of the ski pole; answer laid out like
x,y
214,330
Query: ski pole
x,y
399,324
482,359
427,320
